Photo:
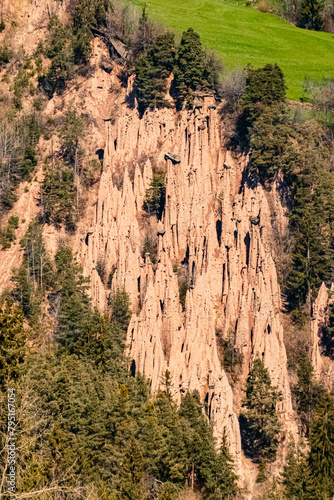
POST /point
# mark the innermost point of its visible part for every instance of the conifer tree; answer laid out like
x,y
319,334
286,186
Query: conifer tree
x,y
145,36
322,446
263,123
297,476
58,196
174,453
265,87
132,472
191,70
307,392
88,14
75,319
211,472
12,342
152,70
155,196
35,256
71,134
327,338
120,306
226,479
310,15
263,427
59,49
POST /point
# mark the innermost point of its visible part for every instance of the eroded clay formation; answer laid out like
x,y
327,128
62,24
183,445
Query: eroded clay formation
x,y
214,224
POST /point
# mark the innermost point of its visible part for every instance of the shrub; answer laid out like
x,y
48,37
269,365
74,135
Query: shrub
x,y
101,269
5,55
184,284
150,247
231,357
263,7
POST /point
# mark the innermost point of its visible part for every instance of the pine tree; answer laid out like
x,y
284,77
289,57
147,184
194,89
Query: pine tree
x,y
12,343
121,311
322,446
263,427
327,337
72,305
59,49
155,196
35,256
310,15
174,453
312,255
263,123
226,479
145,36
58,196
297,477
265,87
71,134
132,472
152,71
191,70
269,143
88,14
307,392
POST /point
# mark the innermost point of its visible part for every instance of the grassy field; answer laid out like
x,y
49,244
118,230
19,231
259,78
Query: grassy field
x,y
242,35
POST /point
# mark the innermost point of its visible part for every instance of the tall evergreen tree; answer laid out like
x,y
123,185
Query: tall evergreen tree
x,y
322,446
152,71
59,49
191,70
132,472
12,343
307,392
297,477
263,426
265,87
88,14
263,123
155,196
327,337
71,303
58,195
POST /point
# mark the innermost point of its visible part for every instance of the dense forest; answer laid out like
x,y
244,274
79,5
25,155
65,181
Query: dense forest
x,y
86,427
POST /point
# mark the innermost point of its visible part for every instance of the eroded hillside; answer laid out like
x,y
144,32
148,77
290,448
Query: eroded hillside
x,y
199,268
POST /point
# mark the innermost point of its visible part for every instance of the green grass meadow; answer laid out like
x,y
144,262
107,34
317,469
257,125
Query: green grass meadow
x,y
242,35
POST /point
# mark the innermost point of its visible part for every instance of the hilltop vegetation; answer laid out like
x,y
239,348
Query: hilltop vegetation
x,y
242,35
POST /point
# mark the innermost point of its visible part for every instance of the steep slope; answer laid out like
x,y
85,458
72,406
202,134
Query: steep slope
x,y
215,226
